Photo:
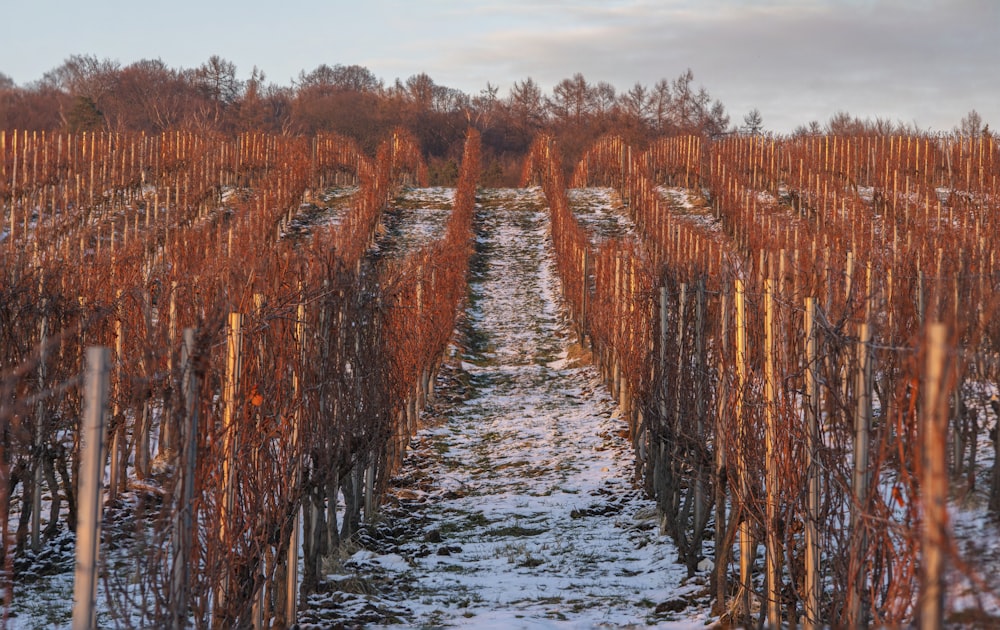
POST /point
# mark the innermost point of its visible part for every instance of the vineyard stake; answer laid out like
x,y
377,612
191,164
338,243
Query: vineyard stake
x,y
184,510
116,479
813,554
862,420
934,479
747,545
774,556
722,551
234,368
292,558
88,526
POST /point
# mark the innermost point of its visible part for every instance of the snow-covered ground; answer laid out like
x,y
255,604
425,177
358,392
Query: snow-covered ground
x,y
600,212
515,508
687,205
321,208
415,218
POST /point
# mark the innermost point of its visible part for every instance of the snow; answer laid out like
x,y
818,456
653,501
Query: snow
x,y
688,206
516,506
600,212
320,209
417,217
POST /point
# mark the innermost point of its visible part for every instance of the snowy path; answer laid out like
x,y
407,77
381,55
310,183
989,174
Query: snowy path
x,y
514,508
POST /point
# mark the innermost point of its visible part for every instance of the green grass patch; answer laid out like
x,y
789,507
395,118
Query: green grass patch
x,y
516,531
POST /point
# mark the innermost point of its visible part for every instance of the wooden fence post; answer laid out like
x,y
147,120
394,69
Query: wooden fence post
x,y
774,551
934,480
168,438
88,515
658,446
36,495
748,548
701,507
585,298
812,562
183,512
722,404
681,358
862,425
292,559
234,367
116,480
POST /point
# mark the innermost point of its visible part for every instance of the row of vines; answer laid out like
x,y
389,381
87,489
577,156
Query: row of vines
x,y
254,376
806,356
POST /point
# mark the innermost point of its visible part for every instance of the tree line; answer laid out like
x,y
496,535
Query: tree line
x,y
87,93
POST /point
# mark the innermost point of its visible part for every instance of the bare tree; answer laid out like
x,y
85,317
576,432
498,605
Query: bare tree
x,y
753,123
971,125
322,76
677,107
715,121
483,108
637,103
661,100
686,105
420,90
148,96
572,99
843,124
604,98
83,75
355,78
216,78
526,103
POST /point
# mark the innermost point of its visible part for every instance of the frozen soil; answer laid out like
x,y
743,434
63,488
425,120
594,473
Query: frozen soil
x,y
416,217
516,505
321,208
601,212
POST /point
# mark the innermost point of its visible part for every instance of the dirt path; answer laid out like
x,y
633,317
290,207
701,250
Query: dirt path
x,y
515,506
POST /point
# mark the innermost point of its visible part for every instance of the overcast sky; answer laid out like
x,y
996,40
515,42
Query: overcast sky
x,y
922,62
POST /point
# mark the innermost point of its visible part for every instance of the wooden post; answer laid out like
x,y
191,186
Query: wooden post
x,y
143,421
701,510
36,495
862,425
934,479
234,367
748,548
657,443
585,298
681,320
369,487
168,439
183,512
774,551
722,404
663,329
292,559
116,481
813,552
88,515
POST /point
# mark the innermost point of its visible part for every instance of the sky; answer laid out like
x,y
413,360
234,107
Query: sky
x,y
925,63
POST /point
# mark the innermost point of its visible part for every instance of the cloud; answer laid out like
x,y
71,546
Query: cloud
x,y
927,62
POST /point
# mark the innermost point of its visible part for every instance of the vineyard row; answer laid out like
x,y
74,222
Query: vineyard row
x,y
804,362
